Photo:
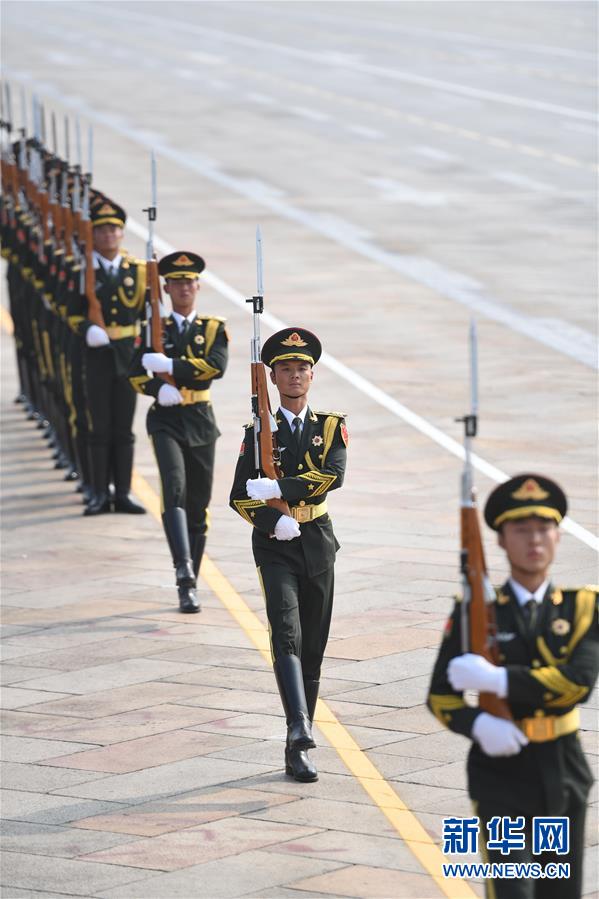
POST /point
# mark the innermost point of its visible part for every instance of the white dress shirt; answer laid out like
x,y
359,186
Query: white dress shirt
x,y
181,318
523,595
291,415
107,264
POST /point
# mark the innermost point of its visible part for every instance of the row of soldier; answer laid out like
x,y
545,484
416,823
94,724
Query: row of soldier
x,y
79,374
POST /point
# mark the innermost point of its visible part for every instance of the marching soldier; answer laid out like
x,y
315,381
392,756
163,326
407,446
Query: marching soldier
x,y
548,641
181,422
295,553
120,288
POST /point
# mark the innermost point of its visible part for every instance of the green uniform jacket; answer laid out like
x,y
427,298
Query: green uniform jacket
x,y
200,357
122,300
308,476
549,673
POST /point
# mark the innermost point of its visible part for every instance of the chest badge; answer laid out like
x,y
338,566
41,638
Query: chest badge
x,y
199,339
317,441
128,281
561,627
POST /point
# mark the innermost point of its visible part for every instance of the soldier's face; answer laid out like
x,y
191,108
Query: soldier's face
x,y
183,292
292,377
107,239
530,544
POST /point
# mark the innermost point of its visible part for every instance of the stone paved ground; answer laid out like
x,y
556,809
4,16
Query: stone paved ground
x,y
142,750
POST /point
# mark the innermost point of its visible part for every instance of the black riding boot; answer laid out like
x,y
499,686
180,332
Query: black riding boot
x,y
311,688
197,542
98,457
175,526
288,674
122,465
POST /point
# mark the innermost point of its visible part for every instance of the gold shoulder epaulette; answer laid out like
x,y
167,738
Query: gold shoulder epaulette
x,y
133,260
327,414
207,318
249,425
458,597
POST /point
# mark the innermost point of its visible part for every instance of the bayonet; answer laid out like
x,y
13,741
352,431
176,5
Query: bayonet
x,y
78,142
23,113
90,152
42,114
67,147
54,137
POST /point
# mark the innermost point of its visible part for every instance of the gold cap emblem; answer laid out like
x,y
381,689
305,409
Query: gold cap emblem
x,y
106,209
530,490
293,340
183,260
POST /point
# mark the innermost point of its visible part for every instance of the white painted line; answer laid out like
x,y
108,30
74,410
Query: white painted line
x,y
264,99
522,181
363,385
391,191
313,115
435,153
368,133
558,335
343,60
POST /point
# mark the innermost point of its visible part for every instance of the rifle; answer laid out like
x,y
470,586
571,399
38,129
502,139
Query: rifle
x,y
267,455
85,236
478,626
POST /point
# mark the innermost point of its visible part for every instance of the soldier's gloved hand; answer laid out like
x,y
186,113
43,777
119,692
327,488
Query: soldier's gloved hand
x,y
497,736
473,672
263,488
157,363
96,336
168,395
287,528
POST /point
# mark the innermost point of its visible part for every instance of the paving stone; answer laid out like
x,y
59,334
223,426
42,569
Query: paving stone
x,y
184,811
166,780
100,653
379,645
19,805
417,718
63,876
35,749
121,699
19,697
129,671
246,873
247,701
342,816
372,883
41,778
148,752
46,839
201,844
404,694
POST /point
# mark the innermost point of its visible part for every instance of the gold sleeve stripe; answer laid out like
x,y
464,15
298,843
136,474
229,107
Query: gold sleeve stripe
x,y
321,479
583,616
206,371
568,692
330,424
210,332
244,505
443,704
139,383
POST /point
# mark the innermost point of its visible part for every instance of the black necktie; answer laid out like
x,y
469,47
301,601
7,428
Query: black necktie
x,y
529,612
184,327
297,430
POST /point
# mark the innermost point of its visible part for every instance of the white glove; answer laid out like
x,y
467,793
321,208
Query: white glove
x,y
263,488
168,395
497,736
96,336
157,363
473,672
287,528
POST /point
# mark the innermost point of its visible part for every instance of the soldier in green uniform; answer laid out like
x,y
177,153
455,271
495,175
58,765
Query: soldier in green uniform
x,y
120,287
548,640
181,422
295,553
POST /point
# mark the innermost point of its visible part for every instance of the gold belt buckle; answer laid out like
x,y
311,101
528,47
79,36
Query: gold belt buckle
x,y
539,730
302,514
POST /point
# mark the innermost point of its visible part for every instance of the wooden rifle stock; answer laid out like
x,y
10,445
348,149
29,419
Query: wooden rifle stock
x,y
95,314
153,285
482,625
267,446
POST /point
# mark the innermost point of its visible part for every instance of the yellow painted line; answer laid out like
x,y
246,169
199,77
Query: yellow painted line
x,y
380,791
6,321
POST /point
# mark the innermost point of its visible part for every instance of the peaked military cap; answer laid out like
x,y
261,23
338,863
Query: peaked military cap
x,y
292,343
525,496
107,213
181,264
